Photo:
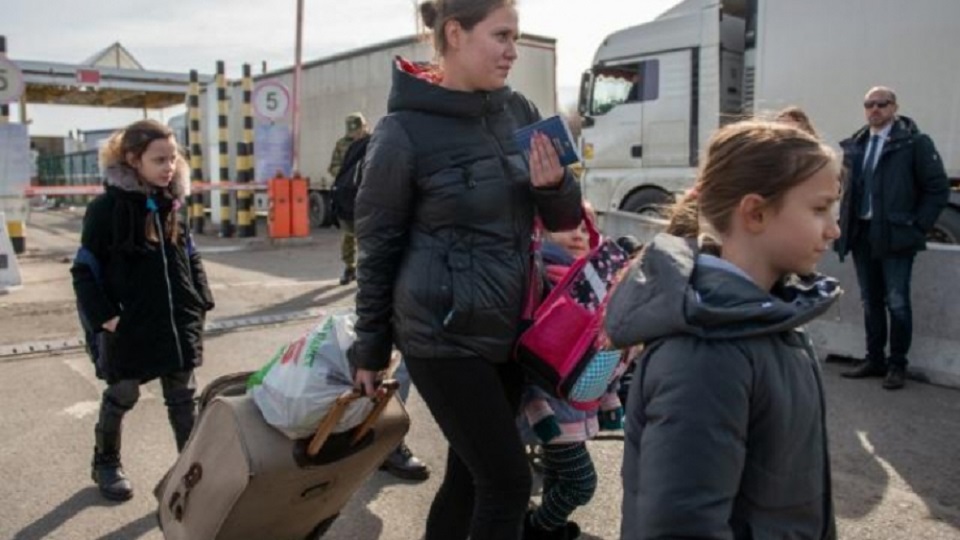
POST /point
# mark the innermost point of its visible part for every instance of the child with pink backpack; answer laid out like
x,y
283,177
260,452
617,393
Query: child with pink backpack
x,y
569,475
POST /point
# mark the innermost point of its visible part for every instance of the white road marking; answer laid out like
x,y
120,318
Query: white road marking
x,y
274,284
84,367
82,409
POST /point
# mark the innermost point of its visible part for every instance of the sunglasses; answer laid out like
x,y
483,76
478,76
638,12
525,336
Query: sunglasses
x,y
879,104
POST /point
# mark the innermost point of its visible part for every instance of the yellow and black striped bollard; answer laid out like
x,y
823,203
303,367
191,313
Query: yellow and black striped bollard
x,y
16,228
223,109
197,215
4,108
246,219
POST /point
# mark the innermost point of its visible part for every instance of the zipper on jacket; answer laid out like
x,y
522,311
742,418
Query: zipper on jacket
x,y
166,277
827,502
505,165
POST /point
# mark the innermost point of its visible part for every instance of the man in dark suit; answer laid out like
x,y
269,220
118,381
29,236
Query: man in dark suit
x,y
895,190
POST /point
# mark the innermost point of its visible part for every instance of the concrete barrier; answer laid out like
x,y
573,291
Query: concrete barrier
x,y
935,354
616,224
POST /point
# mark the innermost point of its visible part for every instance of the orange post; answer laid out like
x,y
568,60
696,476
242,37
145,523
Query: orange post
x,y
278,217
299,207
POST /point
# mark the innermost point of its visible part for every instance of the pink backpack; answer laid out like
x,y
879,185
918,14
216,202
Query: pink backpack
x,y
561,348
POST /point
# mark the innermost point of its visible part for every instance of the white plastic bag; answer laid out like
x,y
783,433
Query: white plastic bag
x,y
297,388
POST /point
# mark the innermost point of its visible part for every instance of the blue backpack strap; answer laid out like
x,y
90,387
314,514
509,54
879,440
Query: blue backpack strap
x,y
87,258
190,245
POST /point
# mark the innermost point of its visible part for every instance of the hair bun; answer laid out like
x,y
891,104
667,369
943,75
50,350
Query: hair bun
x,y
429,13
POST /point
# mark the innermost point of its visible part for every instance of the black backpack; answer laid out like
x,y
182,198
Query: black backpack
x,y
347,183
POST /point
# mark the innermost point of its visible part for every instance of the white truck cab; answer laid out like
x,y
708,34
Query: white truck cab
x,y
657,91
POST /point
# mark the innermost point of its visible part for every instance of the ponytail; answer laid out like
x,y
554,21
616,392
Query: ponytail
x,y
685,216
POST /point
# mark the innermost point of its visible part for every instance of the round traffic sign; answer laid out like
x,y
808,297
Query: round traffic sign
x,y
271,100
11,81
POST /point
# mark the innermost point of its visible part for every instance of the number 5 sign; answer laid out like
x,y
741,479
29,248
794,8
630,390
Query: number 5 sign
x,y
271,100
11,81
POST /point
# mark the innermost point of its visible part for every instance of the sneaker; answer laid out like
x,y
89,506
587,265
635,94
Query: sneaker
x,y
403,464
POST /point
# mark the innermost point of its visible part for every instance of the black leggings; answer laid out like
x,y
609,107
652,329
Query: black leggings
x,y
487,483
179,390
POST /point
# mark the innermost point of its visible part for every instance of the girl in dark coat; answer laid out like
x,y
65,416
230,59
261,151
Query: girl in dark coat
x,y
444,218
141,284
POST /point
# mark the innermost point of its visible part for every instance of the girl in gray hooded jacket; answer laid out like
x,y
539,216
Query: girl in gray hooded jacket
x,y
725,434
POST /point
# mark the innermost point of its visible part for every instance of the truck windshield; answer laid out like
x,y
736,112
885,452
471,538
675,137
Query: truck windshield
x,y
609,90
613,86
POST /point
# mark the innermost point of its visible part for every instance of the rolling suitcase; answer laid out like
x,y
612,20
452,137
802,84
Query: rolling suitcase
x,y
239,478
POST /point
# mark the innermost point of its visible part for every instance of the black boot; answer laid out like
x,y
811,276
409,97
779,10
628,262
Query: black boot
x,y
182,418
403,464
349,274
865,369
107,471
896,378
569,531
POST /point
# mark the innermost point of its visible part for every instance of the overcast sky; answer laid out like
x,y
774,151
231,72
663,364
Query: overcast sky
x,y
179,35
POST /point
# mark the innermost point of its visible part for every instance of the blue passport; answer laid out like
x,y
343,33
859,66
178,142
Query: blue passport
x,y
559,133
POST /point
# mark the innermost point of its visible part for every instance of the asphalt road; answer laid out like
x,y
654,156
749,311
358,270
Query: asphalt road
x,y
894,455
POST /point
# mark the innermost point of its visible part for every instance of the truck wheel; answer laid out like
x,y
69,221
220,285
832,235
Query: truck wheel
x,y
321,214
947,228
648,202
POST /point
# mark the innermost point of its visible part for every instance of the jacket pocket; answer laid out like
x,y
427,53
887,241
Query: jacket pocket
x,y
904,233
459,298
108,348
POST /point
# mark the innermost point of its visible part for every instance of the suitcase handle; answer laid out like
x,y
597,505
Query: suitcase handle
x,y
381,398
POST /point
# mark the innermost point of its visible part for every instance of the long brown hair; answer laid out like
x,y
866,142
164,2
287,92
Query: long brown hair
x,y
130,144
437,13
750,157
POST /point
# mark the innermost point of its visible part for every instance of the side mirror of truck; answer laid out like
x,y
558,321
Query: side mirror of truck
x,y
586,85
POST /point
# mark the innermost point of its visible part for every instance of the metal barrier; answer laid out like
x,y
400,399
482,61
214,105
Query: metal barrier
x,y
935,354
96,189
64,170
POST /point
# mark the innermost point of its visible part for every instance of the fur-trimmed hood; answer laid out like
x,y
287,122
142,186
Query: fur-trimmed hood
x,y
133,200
123,177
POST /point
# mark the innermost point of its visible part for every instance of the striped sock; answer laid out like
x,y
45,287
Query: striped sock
x,y
574,482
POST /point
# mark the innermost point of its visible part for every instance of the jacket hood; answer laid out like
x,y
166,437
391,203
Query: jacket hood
x,y
673,289
903,126
125,179
416,88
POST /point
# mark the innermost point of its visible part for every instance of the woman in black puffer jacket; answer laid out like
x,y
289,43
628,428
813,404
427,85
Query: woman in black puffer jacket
x,y
444,218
